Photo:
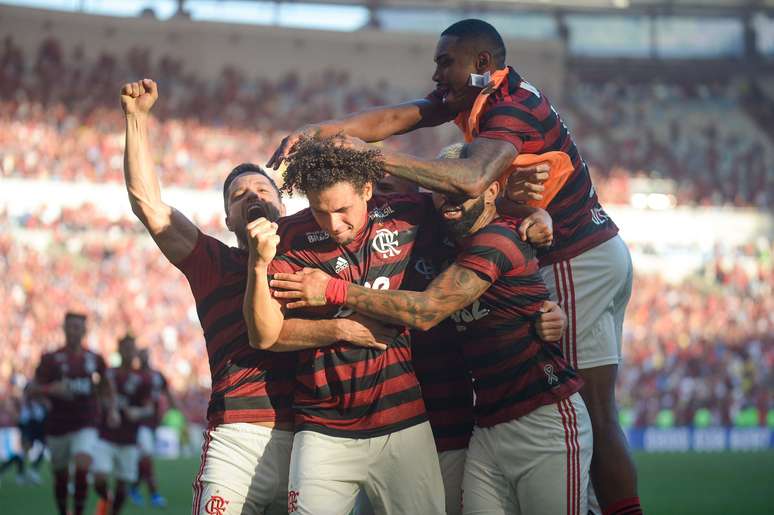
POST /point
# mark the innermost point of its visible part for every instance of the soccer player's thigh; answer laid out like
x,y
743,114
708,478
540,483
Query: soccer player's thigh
x,y
127,461
485,488
60,448
403,473
102,458
84,442
146,441
237,474
557,444
452,470
325,473
593,289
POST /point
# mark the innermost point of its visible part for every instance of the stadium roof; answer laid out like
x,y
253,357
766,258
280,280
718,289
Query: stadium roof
x,y
662,6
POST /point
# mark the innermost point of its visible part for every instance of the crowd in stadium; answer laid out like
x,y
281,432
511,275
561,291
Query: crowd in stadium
x,y
702,343
624,130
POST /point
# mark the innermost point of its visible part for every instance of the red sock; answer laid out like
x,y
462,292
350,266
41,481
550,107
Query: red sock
x,y
81,490
61,478
630,506
118,497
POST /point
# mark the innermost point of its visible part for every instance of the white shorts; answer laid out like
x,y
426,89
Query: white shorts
x,y
244,471
64,447
536,464
122,460
593,289
146,441
452,469
399,472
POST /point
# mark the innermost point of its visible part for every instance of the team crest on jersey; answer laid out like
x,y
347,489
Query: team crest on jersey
x,y
315,236
386,243
341,264
381,212
425,268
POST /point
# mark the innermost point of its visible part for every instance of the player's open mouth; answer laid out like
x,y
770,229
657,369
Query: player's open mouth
x,y
451,213
255,210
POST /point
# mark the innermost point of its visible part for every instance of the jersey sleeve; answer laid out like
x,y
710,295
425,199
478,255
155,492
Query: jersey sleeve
x,y
509,121
201,267
491,253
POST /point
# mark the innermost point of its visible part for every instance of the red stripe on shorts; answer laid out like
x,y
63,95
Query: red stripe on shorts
x,y
568,446
576,454
198,488
574,333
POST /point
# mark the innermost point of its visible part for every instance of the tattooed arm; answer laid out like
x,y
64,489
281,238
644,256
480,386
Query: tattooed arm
x,y
455,288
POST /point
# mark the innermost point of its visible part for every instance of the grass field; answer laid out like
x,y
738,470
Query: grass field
x,y
674,484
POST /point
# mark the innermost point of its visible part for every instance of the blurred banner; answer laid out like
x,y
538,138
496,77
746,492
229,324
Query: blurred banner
x,y
711,439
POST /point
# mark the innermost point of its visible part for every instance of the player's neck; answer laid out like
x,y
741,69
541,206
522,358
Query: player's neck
x,y
489,214
73,348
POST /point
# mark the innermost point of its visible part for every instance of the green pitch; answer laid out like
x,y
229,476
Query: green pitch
x,y
679,484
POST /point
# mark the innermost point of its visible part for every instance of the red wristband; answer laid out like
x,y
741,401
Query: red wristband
x,y
336,291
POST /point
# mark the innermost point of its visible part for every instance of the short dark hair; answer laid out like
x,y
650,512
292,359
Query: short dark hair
x,y
75,316
480,31
241,170
317,164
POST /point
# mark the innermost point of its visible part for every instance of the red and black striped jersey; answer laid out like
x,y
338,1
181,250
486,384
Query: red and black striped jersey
x,y
519,113
343,390
514,372
447,387
81,372
248,385
131,389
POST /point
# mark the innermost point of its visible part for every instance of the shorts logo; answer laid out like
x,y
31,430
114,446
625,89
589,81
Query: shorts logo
x,y
292,501
548,370
386,243
425,268
216,505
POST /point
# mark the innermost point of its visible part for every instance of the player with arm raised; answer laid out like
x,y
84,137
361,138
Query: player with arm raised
x,y
588,269
246,450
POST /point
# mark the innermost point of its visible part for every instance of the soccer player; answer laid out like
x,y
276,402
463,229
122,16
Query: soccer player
x,y
246,449
360,420
146,440
588,268
117,447
532,443
72,379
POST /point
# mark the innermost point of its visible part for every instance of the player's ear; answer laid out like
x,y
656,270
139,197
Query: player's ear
x,y
492,192
368,191
484,62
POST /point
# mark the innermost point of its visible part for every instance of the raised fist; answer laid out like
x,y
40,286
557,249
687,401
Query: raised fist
x,y
139,97
262,240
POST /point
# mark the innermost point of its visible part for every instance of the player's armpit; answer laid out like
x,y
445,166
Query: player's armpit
x,y
174,234
455,288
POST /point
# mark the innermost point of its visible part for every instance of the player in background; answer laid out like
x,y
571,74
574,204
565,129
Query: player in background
x,y
73,381
146,435
588,268
531,447
30,414
118,453
246,449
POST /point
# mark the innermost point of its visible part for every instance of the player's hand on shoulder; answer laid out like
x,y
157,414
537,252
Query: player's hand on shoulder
x,y
305,288
363,331
552,322
262,240
289,142
537,229
526,183
139,97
